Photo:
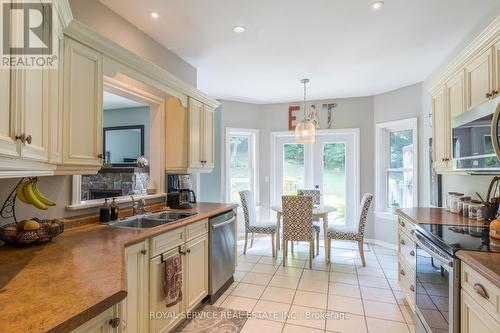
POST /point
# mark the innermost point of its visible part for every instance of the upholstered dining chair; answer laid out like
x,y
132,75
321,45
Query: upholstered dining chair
x,y
297,223
251,224
316,196
353,233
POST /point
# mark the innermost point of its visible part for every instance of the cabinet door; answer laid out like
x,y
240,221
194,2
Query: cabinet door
x,y
82,116
455,94
195,134
479,79
197,271
135,306
474,318
176,136
496,54
8,144
441,131
100,323
34,111
168,317
208,137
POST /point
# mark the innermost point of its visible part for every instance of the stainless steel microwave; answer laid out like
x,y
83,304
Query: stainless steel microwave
x,y
476,138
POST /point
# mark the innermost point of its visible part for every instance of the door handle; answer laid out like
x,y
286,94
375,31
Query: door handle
x,y
29,139
478,288
220,225
21,137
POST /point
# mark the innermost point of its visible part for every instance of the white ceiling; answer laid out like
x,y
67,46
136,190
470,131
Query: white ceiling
x,y
343,46
111,101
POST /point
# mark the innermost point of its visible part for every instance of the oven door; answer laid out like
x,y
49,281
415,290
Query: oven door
x,y
437,289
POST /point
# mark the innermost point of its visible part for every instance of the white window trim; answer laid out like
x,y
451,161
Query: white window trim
x,y
381,157
255,161
157,161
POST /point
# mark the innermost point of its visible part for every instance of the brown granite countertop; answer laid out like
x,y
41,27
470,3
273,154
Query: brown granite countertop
x,y
485,263
437,216
57,286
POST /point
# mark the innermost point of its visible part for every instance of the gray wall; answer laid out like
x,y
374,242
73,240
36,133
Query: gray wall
x,y
107,23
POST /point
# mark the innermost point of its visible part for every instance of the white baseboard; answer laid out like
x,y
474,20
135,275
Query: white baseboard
x,y
382,243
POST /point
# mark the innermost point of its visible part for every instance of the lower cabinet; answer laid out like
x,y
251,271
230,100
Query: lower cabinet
x,y
406,260
473,318
135,307
106,322
196,269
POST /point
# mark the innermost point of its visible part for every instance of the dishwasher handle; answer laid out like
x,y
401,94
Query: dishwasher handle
x,y
220,225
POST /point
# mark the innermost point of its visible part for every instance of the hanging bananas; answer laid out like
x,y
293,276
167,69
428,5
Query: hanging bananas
x,y
28,192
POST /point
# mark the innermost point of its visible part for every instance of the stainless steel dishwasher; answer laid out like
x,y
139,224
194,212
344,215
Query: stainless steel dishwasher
x,y
222,253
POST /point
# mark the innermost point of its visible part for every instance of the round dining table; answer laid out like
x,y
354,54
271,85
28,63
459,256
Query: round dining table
x,y
320,211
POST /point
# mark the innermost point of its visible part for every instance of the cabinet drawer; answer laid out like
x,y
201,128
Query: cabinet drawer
x,y
406,249
474,284
406,280
196,229
167,241
406,225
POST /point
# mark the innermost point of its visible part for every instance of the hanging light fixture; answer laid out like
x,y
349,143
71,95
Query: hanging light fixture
x,y
305,131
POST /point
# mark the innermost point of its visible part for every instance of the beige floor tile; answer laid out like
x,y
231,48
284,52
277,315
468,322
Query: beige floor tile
x,y
376,282
310,299
400,297
309,317
249,258
239,303
391,274
345,304
289,271
315,275
348,278
276,294
337,322
268,310
270,261
385,326
244,266
300,329
408,314
257,325
370,271
313,285
231,287
297,263
343,289
257,278
383,311
377,294
264,269
239,275
284,282
220,300
342,268
248,290
394,284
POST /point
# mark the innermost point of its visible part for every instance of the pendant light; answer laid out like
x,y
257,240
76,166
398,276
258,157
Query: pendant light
x,y
305,131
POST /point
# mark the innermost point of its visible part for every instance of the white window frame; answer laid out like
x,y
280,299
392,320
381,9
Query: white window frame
x,y
382,132
254,153
157,160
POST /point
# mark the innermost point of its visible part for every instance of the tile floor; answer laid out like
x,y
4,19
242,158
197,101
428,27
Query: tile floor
x,y
343,296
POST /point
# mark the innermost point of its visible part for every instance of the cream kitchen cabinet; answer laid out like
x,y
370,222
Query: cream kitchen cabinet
x,y
177,131
455,94
196,270
135,307
479,79
106,322
441,132
496,74
8,119
406,260
82,114
473,318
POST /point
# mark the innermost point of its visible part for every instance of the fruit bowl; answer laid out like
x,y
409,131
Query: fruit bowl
x,y
31,231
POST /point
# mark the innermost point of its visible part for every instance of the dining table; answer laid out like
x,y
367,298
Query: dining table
x,y
320,211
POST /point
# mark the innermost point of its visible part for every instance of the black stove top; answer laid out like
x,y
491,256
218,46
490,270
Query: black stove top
x,y
452,238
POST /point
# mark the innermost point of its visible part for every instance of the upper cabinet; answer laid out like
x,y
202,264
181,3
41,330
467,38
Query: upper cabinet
x,y
479,79
441,129
82,106
8,131
190,137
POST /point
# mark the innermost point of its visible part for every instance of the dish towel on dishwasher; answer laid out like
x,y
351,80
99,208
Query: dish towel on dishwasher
x,y
173,280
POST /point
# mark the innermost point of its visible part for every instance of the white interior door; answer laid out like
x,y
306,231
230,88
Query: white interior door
x,y
331,164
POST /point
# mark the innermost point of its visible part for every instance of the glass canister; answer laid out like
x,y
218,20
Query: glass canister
x,y
461,204
449,195
465,207
480,212
454,202
474,207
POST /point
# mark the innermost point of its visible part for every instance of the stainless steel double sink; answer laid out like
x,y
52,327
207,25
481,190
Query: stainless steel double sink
x,y
153,220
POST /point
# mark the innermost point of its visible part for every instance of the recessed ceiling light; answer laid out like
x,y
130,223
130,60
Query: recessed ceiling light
x,y
238,29
377,4
154,15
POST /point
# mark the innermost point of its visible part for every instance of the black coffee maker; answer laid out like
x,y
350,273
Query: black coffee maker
x,y
180,194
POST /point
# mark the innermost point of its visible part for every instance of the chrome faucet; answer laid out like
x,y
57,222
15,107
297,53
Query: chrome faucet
x,y
138,207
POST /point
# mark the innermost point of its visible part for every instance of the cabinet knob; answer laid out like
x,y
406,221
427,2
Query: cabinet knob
x,y
114,323
29,139
478,288
188,250
402,223
402,242
21,138
412,288
412,253
494,93
144,252
100,156
402,272
489,95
